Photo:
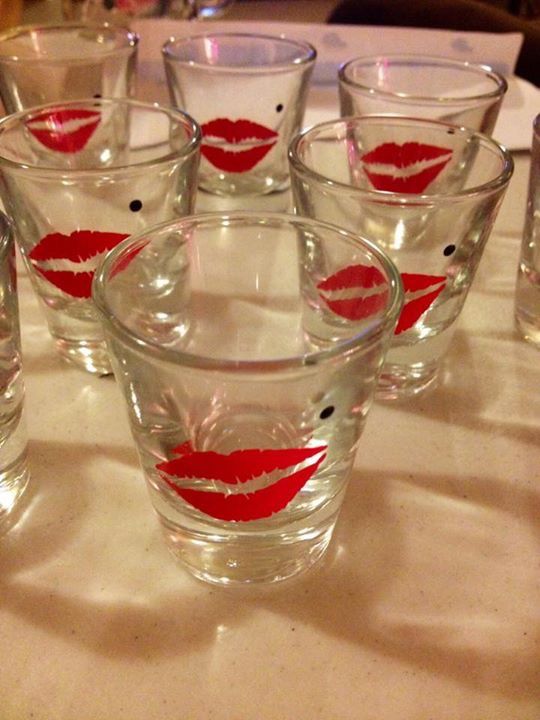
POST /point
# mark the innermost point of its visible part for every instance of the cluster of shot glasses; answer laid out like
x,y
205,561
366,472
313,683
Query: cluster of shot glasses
x,y
248,344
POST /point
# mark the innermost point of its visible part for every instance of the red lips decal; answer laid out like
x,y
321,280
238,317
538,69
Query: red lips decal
x,y
418,297
355,292
236,132
249,483
407,168
65,131
358,291
69,261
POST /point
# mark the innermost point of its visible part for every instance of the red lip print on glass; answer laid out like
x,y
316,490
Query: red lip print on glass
x,y
248,143
69,261
64,130
357,292
405,168
249,484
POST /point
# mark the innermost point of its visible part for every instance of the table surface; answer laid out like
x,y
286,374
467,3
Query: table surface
x,y
426,606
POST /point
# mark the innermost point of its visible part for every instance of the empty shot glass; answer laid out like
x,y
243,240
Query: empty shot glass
x,y
527,303
42,64
248,93
248,365
425,192
79,177
454,91
14,474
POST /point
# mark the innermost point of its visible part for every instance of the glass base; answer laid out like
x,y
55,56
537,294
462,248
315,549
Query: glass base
x,y
529,330
229,185
403,381
91,356
241,559
14,481
527,302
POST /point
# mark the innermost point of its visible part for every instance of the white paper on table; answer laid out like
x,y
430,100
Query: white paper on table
x,y
337,43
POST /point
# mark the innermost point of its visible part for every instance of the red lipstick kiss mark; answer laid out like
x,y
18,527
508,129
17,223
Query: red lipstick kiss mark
x,y
418,298
355,292
248,483
69,261
66,131
407,168
236,132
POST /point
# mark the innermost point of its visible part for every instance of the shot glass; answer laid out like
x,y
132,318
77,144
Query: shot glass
x,y
431,88
39,65
79,177
425,192
14,474
247,384
527,305
248,93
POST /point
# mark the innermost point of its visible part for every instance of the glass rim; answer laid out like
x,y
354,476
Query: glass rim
x,y
393,197
501,84
190,147
306,56
344,346
131,41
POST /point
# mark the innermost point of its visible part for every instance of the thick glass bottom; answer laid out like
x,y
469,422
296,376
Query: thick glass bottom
x,y
91,356
402,381
239,559
14,479
529,329
527,304
237,185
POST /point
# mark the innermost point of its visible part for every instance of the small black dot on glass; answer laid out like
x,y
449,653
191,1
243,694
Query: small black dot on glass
x,y
450,131
448,250
327,412
97,96
279,107
135,205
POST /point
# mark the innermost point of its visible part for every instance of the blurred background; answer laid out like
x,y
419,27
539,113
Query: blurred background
x,y
13,12
497,16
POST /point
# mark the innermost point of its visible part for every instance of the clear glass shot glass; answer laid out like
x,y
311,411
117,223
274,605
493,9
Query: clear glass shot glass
x,y
14,473
527,303
427,193
247,346
79,177
50,63
454,91
248,93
